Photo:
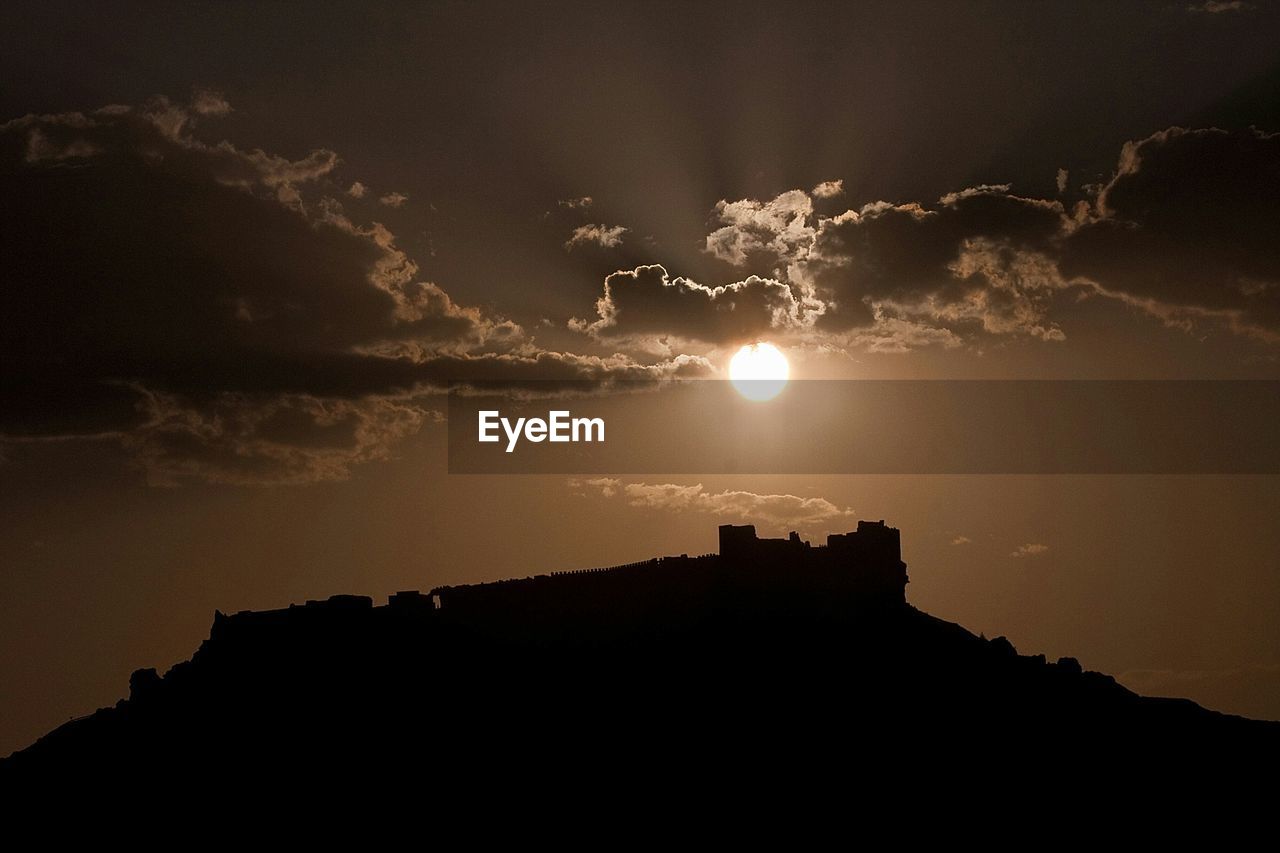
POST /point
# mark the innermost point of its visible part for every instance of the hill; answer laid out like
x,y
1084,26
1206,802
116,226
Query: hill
x,y
768,659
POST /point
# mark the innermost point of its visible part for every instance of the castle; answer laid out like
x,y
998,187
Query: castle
x,y
861,569
866,562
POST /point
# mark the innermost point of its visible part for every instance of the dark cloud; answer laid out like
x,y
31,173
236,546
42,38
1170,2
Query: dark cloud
x,y
1186,229
888,277
968,259
149,255
286,439
216,309
646,302
171,292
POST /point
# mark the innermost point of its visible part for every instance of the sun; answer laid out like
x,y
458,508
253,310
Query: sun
x,y
759,371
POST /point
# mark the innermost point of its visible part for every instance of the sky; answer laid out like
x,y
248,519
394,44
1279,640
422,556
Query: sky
x,y
246,248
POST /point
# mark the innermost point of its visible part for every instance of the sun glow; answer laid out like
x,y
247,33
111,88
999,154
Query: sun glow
x,y
759,371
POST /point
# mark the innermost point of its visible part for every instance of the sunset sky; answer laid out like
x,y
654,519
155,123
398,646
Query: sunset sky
x,y
246,248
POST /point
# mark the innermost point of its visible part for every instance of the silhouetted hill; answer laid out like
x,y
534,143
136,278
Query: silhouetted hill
x,y
771,659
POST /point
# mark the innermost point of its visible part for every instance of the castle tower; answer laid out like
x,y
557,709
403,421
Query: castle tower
x,y
737,541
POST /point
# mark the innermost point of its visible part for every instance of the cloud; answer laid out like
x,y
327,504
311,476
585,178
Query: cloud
x,y
771,510
1185,230
1017,289
609,237
186,298
828,189
886,277
393,200
961,540
209,102
357,190
577,203
647,302
530,370
776,229
1031,549
895,335
1182,231
1218,7
289,439
606,486
976,258
157,265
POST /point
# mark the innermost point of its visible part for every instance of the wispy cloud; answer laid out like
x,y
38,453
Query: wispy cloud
x,y
1217,7
610,237
767,509
1031,549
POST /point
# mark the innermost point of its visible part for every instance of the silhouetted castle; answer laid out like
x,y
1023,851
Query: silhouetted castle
x,y
862,569
865,563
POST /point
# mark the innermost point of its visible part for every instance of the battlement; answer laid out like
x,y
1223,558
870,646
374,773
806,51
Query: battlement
x,y
866,562
872,541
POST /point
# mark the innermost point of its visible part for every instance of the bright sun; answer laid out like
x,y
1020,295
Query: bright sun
x,y
759,371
